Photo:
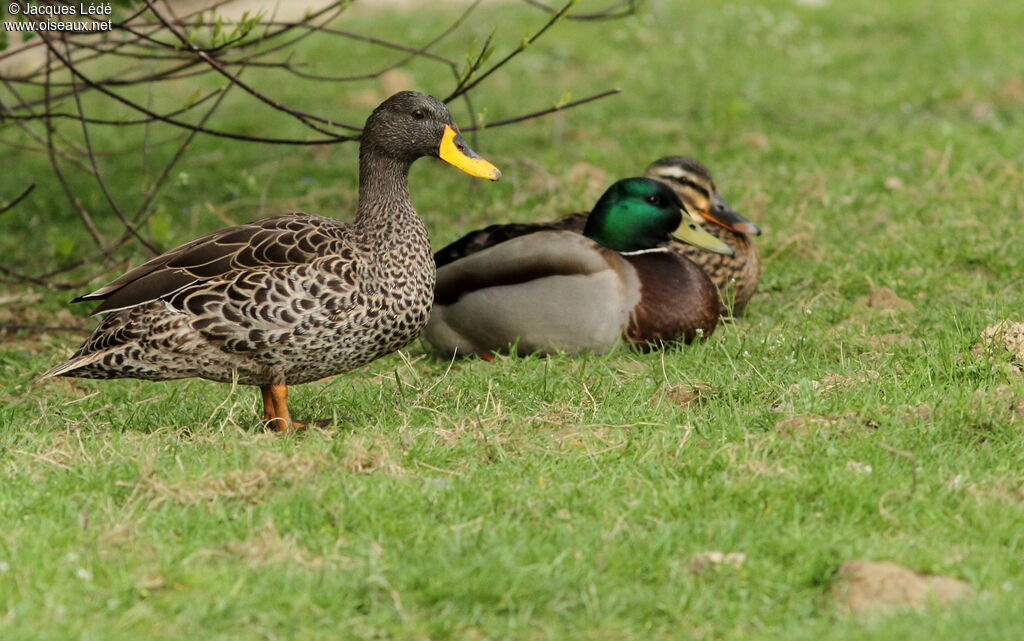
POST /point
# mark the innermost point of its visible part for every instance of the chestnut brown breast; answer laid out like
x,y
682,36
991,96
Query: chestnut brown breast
x,y
677,300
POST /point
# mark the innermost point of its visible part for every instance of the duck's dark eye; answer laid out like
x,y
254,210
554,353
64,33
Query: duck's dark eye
x,y
418,114
656,200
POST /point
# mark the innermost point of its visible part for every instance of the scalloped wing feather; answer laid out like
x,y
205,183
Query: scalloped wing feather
x,y
291,239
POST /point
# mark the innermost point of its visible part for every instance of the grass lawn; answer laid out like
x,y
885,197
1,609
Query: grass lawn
x,y
880,145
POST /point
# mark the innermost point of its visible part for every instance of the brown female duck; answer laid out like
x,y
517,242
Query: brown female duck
x,y
293,298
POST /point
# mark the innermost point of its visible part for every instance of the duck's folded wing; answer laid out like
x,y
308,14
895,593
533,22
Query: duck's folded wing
x,y
543,292
492,235
520,260
291,239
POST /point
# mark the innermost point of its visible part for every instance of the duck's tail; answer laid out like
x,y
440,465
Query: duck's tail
x,y
69,367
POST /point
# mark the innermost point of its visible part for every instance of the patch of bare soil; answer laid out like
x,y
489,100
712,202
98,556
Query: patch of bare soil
x,y
1003,337
835,381
755,140
684,394
1007,488
868,587
883,299
1002,400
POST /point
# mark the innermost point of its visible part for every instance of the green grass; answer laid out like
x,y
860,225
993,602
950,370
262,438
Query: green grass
x,y
556,498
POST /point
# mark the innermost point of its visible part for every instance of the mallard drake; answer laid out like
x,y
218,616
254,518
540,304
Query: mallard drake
x,y
293,298
735,275
557,290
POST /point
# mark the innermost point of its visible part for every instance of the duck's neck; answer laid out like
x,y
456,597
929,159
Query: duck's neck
x,y
383,192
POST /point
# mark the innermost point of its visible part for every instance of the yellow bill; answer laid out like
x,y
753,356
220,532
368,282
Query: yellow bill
x,y
692,233
456,152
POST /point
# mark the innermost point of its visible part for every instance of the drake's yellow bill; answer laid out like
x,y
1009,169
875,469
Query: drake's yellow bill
x,y
456,152
692,233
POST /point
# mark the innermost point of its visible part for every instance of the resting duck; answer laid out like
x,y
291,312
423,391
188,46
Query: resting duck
x,y
735,275
293,298
557,290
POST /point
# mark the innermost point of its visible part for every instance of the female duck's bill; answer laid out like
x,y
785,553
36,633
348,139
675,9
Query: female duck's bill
x,y
454,151
693,182
720,212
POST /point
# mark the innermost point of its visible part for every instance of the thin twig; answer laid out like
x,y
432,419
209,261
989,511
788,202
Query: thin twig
x,y
140,217
20,197
463,88
102,183
544,112
36,136
882,510
302,117
179,123
611,12
76,204
105,121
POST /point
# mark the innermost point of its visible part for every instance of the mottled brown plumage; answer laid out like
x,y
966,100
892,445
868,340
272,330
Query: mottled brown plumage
x,y
288,299
736,276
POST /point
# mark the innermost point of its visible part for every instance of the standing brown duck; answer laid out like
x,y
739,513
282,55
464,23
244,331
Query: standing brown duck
x,y
735,276
293,298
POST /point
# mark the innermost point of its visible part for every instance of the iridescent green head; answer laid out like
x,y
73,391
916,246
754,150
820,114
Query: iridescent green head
x,y
636,214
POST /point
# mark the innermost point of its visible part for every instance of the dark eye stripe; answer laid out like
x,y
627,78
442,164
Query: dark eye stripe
x,y
689,183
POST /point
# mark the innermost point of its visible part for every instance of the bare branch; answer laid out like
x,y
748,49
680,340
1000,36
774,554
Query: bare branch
x,y
302,117
615,10
99,176
544,112
76,204
17,199
179,123
94,79
105,121
463,88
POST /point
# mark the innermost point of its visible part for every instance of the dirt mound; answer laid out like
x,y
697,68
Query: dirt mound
x,y
866,587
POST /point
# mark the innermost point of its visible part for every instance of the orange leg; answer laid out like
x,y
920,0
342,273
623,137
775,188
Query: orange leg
x,y
268,405
275,411
275,407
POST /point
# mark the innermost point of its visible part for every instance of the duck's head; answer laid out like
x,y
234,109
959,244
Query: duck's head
x,y
636,214
692,182
410,124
